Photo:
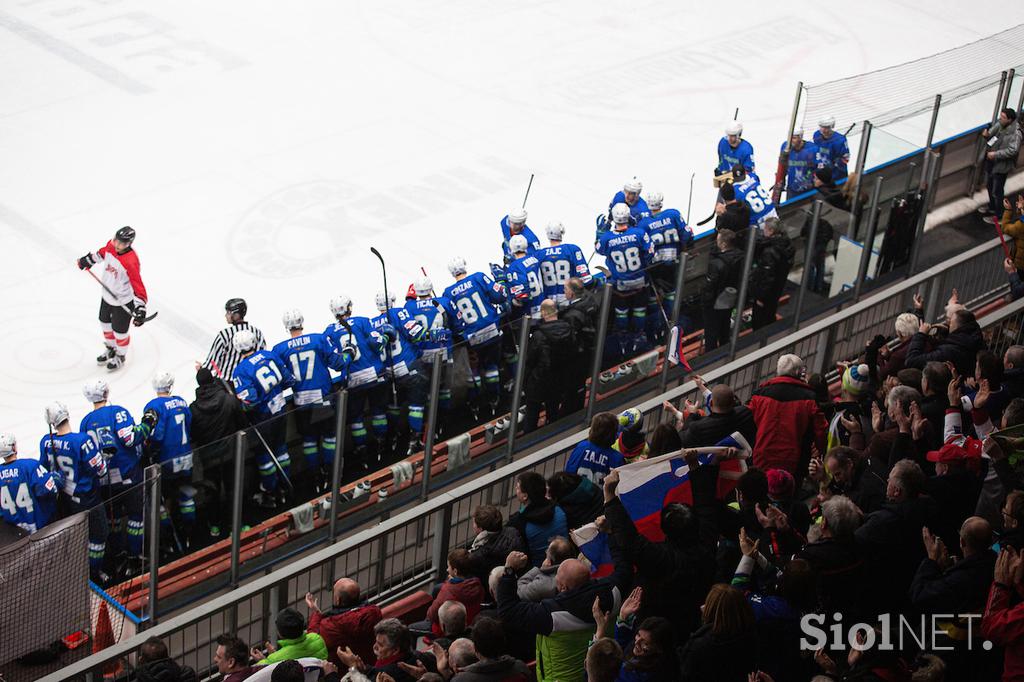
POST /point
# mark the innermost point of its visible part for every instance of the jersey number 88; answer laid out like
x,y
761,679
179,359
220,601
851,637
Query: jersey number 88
x,y
627,260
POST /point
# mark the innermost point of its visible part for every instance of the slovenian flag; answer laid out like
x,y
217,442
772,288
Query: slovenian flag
x,y
645,487
594,545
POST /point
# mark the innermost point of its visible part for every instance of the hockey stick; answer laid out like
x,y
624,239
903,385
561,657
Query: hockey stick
x,y
270,452
689,201
424,271
528,190
113,295
387,344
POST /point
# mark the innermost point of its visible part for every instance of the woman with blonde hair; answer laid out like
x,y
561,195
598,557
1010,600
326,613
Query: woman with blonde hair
x,y
724,648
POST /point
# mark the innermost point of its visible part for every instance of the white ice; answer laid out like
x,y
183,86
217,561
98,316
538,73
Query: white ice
x,y
260,148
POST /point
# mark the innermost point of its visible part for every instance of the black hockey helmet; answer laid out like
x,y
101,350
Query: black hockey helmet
x,y
236,306
739,173
125,234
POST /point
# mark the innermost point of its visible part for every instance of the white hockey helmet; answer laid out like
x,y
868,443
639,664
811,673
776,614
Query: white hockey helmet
x,y
798,132
555,230
244,340
457,266
57,413
8,445
734,128
655,200
422,286
827,122
341,305
620,214
96,390
292,319
517,215
633,185
517,244
384,302
163,382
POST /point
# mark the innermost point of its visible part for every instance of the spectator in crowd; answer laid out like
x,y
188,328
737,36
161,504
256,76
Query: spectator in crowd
x,y
580,311
293,641
493,541
580,499
604,661
725,646
852,406
1004,139
955,488
726,417
788,420
392,647
348,623
550,352
452,618
1016,285
1012,512
493,663
461,586
878,449
1002,622
648,647
836,561
844,472
935,378
959,347
664,439
630,441
231,658
892,359
720,292
156,665
1012,226
538,520
461,655
732,214
772,262
595,457
540,581
782,494
1013,371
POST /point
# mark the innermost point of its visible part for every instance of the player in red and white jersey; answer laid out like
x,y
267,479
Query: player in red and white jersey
x,y
124,294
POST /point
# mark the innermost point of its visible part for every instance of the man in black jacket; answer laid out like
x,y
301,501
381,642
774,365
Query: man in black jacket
x,y
732,214
844,472
550,351
727,416
960,347
773,261
581,313
493,543
156,665
1013,371
719,295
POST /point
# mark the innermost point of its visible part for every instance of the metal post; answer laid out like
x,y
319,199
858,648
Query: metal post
x,y
152,483
748,264
341,405
862,153
602,332
915,250
1009,86
999,98
910,176
979,150
934,121
1020,102
869,238
517,386
677,305
431,427
236,506
805,277
442,536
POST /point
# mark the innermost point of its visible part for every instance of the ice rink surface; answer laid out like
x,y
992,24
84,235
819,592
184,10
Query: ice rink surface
x,y
260,148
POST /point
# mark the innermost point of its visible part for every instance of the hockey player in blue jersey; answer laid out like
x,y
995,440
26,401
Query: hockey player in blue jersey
x,y
28,490
311,357
472,307
82,468
524,281
733,149
515,223
432,314
798,161
260,379
170,446
669,234
367,388
628,251
748,189
120,439
833,149
560,262
630,196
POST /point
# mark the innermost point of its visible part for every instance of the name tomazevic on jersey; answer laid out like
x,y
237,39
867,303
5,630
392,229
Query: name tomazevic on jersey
x,y
627,253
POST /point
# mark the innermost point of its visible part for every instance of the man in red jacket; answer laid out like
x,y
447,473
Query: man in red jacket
x,y
349,623
788,420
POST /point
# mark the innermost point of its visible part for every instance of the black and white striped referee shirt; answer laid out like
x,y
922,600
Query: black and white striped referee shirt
x,y
223,358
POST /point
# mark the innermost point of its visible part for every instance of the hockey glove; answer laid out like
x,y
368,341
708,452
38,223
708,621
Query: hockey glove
x,y
441,336
595,279
149,420
387,331
86,261
498,273
139,315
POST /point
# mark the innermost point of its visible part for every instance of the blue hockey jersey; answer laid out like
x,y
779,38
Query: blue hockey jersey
x,y
311,357
260,380
833,153
525,285
668,232
357,333
532,243
800,167
558,264
627,254
432,314
28,494
757,198
638,210
170,444
593,461
728,157
80,462
403,334
113,431
471,307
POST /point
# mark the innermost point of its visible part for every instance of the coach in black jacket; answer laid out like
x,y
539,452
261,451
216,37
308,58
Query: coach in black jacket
x,y
550,352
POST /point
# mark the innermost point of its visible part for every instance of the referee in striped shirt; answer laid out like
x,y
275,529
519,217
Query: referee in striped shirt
x,y
223,358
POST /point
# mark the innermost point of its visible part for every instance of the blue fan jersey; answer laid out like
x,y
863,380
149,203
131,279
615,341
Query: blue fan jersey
x,y
260,380
112,429
668,232
407,333
627,254
728,157
311,357
171,441
833,153
757,198
800,168
525,285
638,210
471,306
430,313
366,366
532,243
80,462
593,461
28,494
557,265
